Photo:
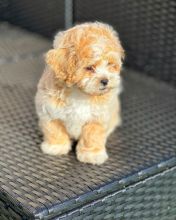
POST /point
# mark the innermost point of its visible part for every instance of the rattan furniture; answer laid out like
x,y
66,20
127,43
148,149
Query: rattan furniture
x,y
137,182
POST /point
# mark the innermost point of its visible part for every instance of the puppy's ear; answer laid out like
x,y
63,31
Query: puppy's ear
x,y
55,59
63,62
71,60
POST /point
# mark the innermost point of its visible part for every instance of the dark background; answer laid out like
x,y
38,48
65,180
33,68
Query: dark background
x,y
147,28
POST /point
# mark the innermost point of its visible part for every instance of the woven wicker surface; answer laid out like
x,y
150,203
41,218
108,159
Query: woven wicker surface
x,y
9,213
153,198
41,16
16,44
42,185
147,29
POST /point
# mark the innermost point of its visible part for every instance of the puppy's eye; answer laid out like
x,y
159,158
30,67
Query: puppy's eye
x,y
113,67
111,64
90,68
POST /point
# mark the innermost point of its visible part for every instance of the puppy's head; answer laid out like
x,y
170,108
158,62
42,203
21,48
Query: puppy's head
x,y
88,56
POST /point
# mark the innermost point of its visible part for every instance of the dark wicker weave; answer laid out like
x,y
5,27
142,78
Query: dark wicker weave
x,y
153,198
32,15
147,28
37,186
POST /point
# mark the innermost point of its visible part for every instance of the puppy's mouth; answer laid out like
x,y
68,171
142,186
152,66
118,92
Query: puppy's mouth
x,y
106,89
103,90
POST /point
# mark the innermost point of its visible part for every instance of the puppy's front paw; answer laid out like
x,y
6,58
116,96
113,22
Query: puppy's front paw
x,y
93,157
55,149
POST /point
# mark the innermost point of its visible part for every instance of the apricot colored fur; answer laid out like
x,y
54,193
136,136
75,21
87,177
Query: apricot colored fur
x,y
77,96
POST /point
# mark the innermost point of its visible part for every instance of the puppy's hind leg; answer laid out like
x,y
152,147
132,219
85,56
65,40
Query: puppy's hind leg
x,y
56,140
91,146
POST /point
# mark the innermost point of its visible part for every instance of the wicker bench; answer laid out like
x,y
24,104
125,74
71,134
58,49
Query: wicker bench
x,y
137,182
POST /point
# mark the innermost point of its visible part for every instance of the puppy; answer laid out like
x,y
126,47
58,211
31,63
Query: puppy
x,y
77,97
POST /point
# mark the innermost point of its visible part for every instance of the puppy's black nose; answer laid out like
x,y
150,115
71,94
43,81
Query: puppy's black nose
x,y
104,82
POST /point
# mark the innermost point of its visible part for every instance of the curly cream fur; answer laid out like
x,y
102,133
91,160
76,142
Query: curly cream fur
x,y
71,101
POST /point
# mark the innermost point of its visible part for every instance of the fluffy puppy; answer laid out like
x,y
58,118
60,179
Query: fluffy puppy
x,y
77,97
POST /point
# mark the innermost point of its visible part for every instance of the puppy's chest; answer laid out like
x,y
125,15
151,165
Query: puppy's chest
x,y
79,108
77,111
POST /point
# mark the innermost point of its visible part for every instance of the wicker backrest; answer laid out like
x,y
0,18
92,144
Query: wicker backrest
x,y
147,27
41,16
